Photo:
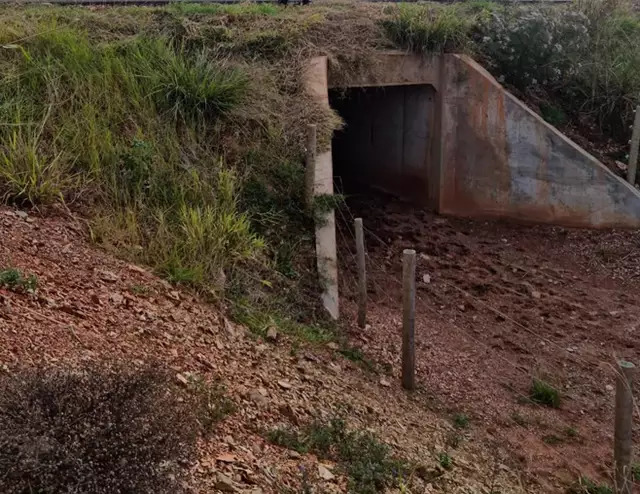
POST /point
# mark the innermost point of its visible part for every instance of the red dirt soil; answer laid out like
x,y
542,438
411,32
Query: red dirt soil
x,y
504,302
496,305
90,306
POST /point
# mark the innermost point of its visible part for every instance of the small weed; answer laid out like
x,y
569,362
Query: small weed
x,y
571,432
287,438
365,460
552,439
355,355
553,114
445,460
140,290
14,280
453,440
212,403
519,419
461,420
544,394
587,486
351,353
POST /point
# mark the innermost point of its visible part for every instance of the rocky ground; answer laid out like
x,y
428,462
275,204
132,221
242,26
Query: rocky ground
x,y
497,305
90,306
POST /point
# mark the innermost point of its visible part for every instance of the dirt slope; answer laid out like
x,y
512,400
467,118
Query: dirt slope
x,y
91,306
497,305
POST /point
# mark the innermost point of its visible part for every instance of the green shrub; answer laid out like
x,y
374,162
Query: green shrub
x,y
445,461
535,46
13,279
544,393
429,29
607,86
584,55
96,430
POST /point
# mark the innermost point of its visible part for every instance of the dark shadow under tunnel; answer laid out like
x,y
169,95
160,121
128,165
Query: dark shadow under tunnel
x,y
386,140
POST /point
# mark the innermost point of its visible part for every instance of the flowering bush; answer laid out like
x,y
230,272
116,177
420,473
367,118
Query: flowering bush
x,y
530,47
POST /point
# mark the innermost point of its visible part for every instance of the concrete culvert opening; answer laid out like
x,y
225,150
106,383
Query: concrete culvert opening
x,y
387,139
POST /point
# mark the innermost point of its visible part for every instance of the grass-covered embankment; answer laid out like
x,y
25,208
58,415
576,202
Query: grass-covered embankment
x,y
178,131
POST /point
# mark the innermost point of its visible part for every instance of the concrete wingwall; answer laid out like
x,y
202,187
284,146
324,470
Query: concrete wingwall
x,y
500,159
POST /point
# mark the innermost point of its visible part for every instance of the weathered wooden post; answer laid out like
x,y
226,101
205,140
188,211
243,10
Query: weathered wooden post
x,y
633,150
408,318
310,165
623,427
362,274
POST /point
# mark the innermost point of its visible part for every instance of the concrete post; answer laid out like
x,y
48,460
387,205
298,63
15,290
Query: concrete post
x,y
408,318
310,165
633,149
623,442
362,274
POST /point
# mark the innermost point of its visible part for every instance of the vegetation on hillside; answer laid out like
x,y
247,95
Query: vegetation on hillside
x,y
179,131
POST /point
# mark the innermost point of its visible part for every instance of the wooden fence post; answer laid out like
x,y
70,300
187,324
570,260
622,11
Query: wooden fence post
x,y
362,274
623,426
310,165
633,150
408,318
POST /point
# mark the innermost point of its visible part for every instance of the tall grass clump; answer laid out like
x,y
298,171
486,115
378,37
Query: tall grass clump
x,y
428,28
134,124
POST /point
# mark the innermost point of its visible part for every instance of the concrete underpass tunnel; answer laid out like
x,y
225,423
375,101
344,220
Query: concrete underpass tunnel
x,y
387,141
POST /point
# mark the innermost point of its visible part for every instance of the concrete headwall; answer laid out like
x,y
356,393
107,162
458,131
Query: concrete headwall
x,y
499,159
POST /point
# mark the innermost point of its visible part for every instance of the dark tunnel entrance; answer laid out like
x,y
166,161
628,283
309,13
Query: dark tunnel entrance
x,y
386,142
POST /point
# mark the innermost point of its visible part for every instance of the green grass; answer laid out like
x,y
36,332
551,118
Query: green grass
x,y
445,461
365,460
258,321
571,432
180,130
544,393
429,28
13,279
212,403
588,486
553,114
552,439
140,290
461,420
249,9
